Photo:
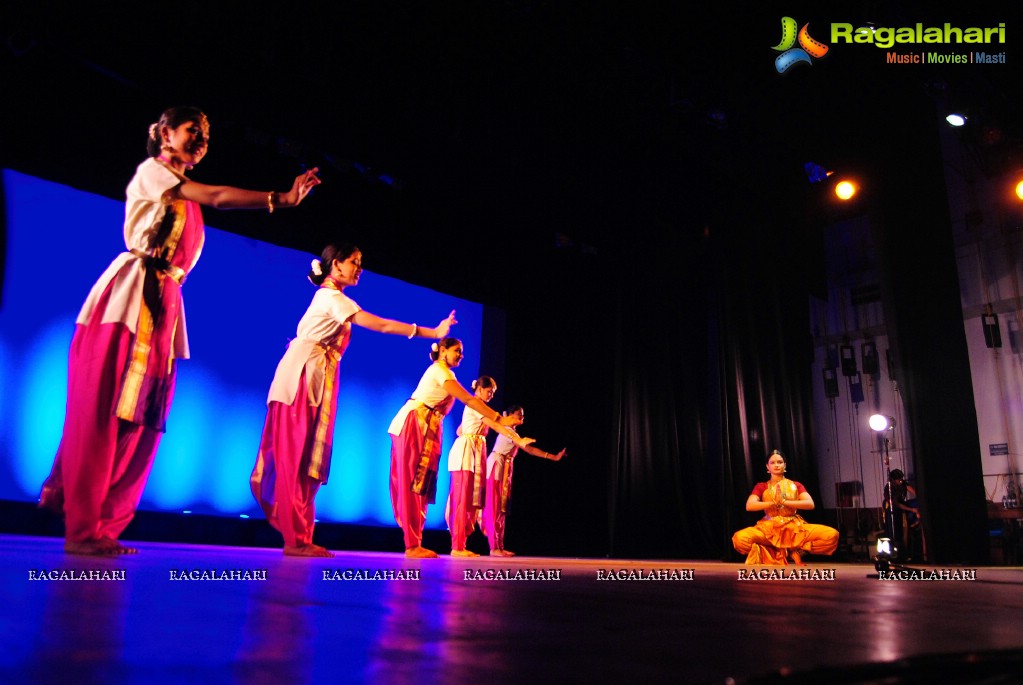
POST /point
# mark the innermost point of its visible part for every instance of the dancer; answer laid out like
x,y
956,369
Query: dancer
x,y
465,461
294,453
131,331
416,441
782,534
500,465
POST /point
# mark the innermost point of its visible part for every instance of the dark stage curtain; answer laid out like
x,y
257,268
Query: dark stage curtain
x,y
665,480
764,360
923,313
712,372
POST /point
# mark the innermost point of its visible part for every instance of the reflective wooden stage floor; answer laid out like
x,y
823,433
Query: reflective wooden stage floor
x,y
297,626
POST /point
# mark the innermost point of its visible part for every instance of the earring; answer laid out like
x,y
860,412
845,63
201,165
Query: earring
x,y
166,147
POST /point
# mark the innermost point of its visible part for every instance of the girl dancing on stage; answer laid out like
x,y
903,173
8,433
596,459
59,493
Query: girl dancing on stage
x,y
294,453
416,441
500,465
465,461
130,333
782,534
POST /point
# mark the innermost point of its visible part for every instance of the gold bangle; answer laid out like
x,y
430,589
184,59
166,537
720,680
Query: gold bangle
x,y
270,201
415,329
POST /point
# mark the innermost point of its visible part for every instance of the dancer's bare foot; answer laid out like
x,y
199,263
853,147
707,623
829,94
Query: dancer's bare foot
x,y
420,553
92,548
52,500
463,553
501,553
309,550
117,546
797,559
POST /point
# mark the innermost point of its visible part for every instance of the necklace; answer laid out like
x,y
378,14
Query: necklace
x,y
170,167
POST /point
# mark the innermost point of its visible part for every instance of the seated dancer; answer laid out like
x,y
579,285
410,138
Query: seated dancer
x,y
499,482
131,332
416,441
294,453
465,461
782,534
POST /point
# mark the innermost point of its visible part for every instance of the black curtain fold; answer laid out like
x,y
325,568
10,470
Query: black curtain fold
x,y
912,227
660,474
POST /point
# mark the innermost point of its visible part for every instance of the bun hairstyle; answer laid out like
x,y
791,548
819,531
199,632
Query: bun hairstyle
x,y
173,117
484,382
320,268
443,344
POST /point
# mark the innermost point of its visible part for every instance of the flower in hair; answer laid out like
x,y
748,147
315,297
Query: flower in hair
x,y
434,347
152,131
474,385
317,267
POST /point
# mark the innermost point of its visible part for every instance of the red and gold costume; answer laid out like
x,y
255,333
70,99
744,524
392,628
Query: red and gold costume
x,y
468,478
782,530
121,368
295,450
415,451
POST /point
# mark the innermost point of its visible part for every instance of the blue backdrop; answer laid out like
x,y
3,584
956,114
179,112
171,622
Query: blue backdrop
x,y
243,303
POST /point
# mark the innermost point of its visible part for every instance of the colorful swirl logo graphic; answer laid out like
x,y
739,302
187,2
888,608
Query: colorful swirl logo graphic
x,y
808,50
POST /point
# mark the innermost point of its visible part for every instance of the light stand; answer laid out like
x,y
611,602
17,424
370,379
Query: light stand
x,y
887,551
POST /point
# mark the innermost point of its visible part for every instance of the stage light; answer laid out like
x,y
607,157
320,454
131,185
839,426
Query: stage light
x,y
845,190
1019,190
886,548
886,553
956,119
881,423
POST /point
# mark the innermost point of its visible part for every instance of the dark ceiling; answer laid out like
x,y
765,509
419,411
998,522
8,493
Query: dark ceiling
x,y
462,135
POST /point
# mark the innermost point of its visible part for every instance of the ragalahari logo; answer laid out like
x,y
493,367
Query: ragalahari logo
x,y
808,50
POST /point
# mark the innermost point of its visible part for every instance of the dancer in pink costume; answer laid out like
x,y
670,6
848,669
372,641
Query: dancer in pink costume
x,y
416,441
130,333
500,466
294,453
465,461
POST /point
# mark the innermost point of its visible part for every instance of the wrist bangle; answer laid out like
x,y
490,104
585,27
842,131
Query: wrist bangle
x,y
270,202
415,329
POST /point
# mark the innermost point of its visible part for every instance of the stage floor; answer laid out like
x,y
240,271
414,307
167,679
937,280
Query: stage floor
x,y
173,614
